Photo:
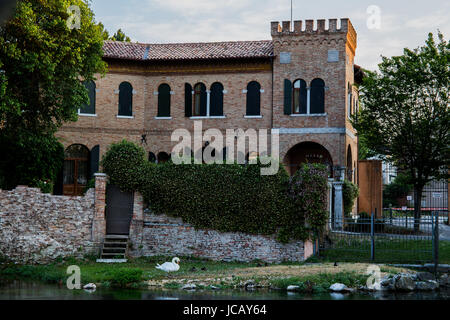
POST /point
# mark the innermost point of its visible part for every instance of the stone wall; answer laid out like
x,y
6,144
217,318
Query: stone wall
x,y
38,228
163,235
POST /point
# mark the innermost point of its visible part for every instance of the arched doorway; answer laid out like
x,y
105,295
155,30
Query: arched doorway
x,y
349,164
307,152
163,157
76,170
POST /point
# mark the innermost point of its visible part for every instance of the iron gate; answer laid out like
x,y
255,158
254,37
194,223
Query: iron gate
x,y
119,210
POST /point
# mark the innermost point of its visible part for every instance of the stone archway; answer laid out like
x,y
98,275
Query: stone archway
x,y
307,152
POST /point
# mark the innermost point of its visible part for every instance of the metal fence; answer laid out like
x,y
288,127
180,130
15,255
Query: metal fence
x,y
396,237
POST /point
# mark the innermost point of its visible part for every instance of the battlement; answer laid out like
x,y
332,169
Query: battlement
x,y
285,28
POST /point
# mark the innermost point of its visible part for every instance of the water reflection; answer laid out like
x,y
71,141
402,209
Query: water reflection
x,y
22,290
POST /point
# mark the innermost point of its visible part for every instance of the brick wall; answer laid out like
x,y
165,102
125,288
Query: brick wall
x,y
38,228
163,235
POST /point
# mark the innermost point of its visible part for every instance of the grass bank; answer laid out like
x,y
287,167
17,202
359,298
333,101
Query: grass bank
x,y
205,274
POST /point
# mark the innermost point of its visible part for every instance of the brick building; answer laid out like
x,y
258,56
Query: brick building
x,y
301,82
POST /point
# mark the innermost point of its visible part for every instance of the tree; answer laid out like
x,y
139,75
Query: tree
x,y
43,64
405,114
120,36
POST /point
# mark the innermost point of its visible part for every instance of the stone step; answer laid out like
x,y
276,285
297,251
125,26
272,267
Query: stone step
x,y
112,254
115,243
112,250
116,237
112,260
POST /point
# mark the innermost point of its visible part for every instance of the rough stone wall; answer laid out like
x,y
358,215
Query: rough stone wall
x,y
163,235
38,228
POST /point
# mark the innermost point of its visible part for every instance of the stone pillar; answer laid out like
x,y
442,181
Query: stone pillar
x,y
338,205
330,202
99,223
137,224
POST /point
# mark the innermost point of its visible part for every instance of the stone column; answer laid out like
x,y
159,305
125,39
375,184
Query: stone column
x,y
338,205
99,223
330,202
137,224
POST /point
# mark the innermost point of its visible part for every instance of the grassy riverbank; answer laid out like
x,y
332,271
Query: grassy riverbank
x,y
205,274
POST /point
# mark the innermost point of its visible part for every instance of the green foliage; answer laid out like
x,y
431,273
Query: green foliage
x,y
32,160
399,188
350,192
120,36
123,162
404,115
124,276
308,190
90,185
42,63
226,198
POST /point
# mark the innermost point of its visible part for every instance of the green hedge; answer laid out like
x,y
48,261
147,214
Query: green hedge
x,y
226,198
350,192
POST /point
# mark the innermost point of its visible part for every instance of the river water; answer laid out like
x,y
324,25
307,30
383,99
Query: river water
x,y
23,290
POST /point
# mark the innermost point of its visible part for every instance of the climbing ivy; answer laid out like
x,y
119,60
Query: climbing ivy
x,y
226,198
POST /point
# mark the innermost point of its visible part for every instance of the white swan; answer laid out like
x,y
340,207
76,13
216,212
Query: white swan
x,y
170,266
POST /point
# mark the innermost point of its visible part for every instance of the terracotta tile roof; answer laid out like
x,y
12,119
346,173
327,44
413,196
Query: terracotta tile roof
x,y
188,51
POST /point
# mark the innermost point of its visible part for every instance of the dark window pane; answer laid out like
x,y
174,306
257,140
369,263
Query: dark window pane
x,y
199,100
90,107
317,96
253,99
164,101
125,99
300,97
82,172
187,100
69,172
151,157
216,107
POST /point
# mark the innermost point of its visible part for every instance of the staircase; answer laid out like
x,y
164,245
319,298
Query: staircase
x,y
114,249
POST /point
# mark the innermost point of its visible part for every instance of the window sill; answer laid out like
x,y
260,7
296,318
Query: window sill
x,y
210,117
253,117
125,117
87,115
163,118
310,115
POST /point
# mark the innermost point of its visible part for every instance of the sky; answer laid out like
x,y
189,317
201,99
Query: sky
x,y
382,30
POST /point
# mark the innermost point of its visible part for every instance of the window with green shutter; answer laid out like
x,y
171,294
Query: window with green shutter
x,y
287,97
89,108
164,100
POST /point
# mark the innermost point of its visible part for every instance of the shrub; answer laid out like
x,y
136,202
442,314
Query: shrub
x,y
397,190
226,198
350,192
122,162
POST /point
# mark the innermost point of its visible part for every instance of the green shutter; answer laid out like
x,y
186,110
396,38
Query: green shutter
x,y
287,97
187,100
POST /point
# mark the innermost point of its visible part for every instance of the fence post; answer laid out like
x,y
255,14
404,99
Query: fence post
x,y
435,217
390,213
372,236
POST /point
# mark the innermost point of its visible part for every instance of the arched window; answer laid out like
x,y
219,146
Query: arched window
x,y
317,96
125,99
89,108
164,100
253,99
216,99
200,98
300,96
75,170
349,164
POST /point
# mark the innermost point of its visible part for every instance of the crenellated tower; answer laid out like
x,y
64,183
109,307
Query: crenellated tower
x,y
313,72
